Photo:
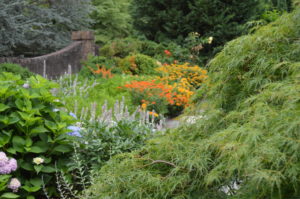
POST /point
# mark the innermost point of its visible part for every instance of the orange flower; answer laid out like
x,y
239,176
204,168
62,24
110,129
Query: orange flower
x,y
144,106
168,53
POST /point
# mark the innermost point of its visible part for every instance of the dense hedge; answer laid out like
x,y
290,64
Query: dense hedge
x,y
248,139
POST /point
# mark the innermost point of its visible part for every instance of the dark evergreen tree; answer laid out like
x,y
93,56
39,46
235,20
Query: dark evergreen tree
x,y
37,27
174,19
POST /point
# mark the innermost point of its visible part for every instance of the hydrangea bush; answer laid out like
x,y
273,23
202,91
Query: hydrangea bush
x,y
34,133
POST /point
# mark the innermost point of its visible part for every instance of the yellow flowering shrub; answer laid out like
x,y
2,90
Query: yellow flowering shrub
x,y
172,90
185,75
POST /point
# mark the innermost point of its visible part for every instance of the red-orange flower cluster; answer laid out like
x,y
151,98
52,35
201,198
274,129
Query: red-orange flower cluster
x,y
106,73
168,53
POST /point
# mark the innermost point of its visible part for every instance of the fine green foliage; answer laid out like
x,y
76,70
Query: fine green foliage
x,y
38,27
32,128
138,64
111,19
247,143
15,69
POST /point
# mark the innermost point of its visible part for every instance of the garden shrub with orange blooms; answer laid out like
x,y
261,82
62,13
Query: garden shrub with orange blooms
x,y
169,93
102,71
138,64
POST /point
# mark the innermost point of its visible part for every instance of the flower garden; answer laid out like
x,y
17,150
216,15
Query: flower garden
x,y
102,133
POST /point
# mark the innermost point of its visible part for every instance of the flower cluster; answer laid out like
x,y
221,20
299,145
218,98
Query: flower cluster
x,y
14,184
174,87
38,160
193,76
106,73
7,165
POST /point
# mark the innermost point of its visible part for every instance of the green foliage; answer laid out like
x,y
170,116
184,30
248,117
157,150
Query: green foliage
x,y
44,29
79,93
121,47
162,20
248,134
103,62
15,69
138,64
100,142
30,128
111,19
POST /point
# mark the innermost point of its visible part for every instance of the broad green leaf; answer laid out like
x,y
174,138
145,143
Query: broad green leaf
x,y
26,165
13,118
11,150
3,181
20,104
9,195
28,141
3,107
4,119
37,182
51,125
30,197
48,169
5,137
62,148
39,129
39,147
18,143
38,168
31,189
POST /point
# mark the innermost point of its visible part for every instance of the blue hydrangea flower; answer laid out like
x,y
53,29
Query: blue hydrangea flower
x,y
73,115
75,131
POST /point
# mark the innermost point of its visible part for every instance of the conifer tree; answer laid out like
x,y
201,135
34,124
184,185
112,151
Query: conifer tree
x,y
37,27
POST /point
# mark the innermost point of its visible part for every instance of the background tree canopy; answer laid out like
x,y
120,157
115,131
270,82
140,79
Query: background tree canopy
x,y
37,27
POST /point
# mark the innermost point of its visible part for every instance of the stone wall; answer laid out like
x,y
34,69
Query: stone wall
x,y
66,60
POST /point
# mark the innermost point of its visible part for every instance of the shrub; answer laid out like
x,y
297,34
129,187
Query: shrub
x,y
138,64
170,93
194,76
246,144
93,61
15,69
121,48
33,131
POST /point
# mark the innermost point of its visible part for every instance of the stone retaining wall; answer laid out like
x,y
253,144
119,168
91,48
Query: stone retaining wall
x,y
66,60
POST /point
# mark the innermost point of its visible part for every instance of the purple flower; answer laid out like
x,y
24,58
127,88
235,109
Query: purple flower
x,y
5,169
14,184
13,164
26,85
3,159
7,165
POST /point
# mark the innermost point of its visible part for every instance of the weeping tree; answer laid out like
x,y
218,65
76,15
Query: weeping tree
x,y
32,28
246,142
